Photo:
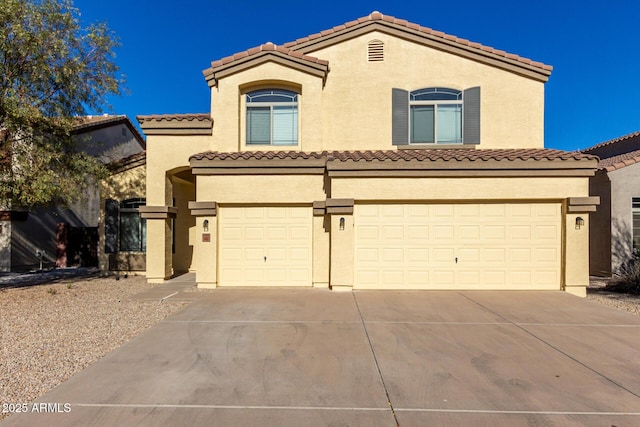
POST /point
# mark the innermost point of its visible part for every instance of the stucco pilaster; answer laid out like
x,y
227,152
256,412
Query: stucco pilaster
x,y
576,253
321,242
342,250
159,266
205,243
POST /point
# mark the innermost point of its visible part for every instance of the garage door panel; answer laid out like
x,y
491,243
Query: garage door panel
x,y
520,232
393,232
491,255
265,246
495,232
443,232
498,246
253,255
254,233
470,232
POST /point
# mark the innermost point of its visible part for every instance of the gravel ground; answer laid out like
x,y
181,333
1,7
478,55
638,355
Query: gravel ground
x,y
49,332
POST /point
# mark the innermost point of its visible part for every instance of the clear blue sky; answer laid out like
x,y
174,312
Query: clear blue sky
x,y
594,46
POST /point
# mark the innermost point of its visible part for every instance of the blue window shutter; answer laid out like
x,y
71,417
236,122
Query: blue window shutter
x,y
471,126
400,117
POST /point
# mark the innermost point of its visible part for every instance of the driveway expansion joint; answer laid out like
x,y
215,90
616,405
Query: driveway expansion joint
x,y
375,359
521,327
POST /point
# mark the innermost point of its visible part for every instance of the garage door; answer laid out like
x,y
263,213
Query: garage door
x,y
265,246
458,246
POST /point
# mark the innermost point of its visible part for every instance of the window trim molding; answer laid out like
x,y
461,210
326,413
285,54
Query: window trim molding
x,y
471,118
245,90
436,103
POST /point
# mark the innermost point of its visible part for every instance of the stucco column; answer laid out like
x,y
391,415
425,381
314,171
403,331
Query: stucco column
x,y
321,225
342,244
205,243
159,256
576,244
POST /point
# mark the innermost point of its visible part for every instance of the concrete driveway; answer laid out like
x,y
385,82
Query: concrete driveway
x,y
318,358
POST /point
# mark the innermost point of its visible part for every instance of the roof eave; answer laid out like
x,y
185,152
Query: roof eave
x,y
318,69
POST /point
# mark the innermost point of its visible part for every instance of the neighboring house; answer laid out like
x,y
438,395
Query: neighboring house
x,y
615,227
59,236
122,230
378,154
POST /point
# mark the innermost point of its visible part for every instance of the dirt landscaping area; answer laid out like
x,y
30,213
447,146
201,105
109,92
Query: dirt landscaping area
x,y
51,331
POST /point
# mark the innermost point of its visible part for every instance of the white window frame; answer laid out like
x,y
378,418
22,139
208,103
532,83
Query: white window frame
x,y
435,103
252,100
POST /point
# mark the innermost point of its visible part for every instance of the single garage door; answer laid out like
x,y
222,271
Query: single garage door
x,y
265,246
458,246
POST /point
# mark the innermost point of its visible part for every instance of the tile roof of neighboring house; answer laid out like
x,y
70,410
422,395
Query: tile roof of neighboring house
x,y
200,117
616,162
129,162
403,155
612,141
297,49
176,124
618,152
91,123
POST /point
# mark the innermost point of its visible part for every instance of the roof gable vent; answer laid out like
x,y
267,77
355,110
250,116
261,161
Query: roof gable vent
x,y
375,51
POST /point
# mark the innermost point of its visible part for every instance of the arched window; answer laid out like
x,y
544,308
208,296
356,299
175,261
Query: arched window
x,y
272,117
435,116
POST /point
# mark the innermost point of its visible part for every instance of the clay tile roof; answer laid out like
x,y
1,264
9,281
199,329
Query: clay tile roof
x,y
267,47
459,155
612,141
377,16
403,155
618,152
258,155
619,161
85,121
200,117
616,162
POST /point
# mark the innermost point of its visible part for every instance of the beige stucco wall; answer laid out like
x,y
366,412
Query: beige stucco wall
x,y
552,188
165,154
227,106
289,189
353,110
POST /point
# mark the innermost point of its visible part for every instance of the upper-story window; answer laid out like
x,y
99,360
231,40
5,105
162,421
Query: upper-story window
x,y
272,117
436,116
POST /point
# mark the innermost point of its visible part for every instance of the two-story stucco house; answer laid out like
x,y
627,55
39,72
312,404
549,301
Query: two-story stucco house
x,y
378,154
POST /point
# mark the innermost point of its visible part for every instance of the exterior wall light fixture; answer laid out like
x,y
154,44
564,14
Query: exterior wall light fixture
x,y
579,222
205,225
341,223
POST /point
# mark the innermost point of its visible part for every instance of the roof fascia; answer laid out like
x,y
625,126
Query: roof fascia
x,y
212,75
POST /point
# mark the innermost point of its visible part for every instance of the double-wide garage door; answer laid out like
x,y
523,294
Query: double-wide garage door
x,y
401,246
265,246
458,246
